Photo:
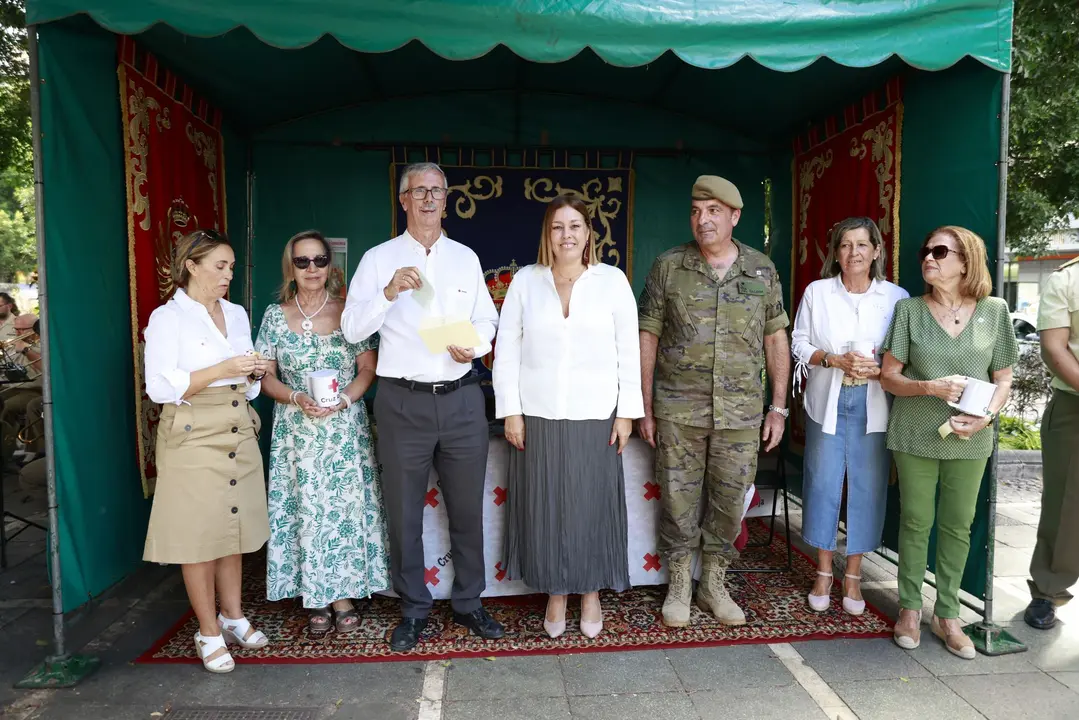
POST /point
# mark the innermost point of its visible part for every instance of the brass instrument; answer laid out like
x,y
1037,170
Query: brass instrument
x,y
14,365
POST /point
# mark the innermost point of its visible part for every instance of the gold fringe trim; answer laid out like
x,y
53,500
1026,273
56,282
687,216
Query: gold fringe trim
x,y
629,221
121,72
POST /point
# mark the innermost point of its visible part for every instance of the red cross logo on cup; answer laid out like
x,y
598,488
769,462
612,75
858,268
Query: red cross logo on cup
x,y
333,385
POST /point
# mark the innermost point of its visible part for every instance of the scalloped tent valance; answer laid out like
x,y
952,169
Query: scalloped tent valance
x,y
780,35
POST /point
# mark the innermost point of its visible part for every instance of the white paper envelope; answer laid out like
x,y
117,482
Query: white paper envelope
x,y
440,332
425,294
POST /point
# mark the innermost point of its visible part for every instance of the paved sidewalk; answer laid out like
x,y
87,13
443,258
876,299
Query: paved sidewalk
x,y
866,679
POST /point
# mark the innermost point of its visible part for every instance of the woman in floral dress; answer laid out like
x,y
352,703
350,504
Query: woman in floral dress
x,y
327,524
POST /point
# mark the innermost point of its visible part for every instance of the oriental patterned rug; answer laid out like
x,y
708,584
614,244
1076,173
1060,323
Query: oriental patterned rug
x,y
775,607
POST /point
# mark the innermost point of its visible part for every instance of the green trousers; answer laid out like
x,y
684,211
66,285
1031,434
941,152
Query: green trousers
x,y
1055,565
960,481
718,464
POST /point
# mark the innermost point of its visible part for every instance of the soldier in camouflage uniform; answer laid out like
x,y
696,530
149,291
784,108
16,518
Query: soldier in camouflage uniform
x,y
711,315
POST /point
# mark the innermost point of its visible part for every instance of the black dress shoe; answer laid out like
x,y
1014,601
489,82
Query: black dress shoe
x,y
480,623
1040,614
407,633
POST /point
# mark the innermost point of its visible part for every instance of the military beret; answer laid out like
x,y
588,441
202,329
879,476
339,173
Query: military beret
x,y
713,187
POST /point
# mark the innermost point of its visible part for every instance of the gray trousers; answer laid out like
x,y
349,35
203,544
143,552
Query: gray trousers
x,y
415,431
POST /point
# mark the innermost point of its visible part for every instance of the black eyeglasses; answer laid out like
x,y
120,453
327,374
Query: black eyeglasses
x,y
302,263
939,252
419,193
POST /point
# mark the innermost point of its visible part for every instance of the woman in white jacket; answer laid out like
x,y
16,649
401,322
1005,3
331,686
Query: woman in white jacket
x,y
841,322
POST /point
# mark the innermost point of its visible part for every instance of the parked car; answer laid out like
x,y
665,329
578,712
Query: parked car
x,y
1026,332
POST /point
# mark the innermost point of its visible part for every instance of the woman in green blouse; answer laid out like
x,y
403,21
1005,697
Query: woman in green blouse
x,y
935,342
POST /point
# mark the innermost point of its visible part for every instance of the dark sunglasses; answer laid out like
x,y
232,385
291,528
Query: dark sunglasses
x,y
302,263
939,252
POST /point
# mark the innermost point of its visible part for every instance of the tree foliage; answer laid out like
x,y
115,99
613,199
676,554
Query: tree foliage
x,y
1043,180
18,249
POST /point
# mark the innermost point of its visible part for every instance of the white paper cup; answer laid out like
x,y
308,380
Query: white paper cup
x,y
976,396
865,347
324,388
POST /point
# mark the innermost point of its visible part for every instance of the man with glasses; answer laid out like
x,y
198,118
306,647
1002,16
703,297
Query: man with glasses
x,y
429,408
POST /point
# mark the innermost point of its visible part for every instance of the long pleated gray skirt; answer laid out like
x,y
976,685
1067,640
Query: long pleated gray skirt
x,y
566,526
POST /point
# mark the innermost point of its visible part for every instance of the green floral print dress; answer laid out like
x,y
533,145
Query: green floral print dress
x,y
327,523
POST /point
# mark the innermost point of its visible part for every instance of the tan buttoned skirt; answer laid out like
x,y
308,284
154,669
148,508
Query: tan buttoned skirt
x,y
210,500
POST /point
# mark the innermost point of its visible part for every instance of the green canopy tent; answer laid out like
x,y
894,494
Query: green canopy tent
x,y
315,95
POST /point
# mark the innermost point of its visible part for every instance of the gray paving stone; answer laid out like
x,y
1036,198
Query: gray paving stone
x,y
1004,697
376,711
934,657
1071,679
719,668
905,699
1012,562
517,708
504,677
607,673
654,706
1049,650
62,709
876,659
776,703
1018,536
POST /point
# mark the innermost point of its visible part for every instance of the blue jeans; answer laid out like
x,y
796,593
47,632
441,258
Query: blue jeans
x,y
863,459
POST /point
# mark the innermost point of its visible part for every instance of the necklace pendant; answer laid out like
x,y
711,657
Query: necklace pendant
x,y
307,325
957,321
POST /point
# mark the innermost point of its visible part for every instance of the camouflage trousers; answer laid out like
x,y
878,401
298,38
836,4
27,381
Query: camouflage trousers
x,y
718,464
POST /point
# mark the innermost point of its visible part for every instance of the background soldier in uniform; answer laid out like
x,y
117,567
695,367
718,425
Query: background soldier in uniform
x,y
709,310
1055,565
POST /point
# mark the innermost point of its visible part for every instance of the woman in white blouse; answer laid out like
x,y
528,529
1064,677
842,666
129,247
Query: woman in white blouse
x,y
840,323
210,502
567,381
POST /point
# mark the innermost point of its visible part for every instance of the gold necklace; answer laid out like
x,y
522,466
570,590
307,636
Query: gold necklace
x,y
953,310
572,280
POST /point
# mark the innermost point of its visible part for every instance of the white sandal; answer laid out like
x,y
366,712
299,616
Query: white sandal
x,y
235,631
851,606
820,603
207,646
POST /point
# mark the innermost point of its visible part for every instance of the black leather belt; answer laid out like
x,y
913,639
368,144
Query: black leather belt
x,y
442,388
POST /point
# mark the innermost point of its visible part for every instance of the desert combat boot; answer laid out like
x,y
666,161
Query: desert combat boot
x,y
679,591
712,595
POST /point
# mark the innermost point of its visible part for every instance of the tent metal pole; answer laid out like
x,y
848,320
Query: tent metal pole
x,y
59,669
249,241
59,650
989,637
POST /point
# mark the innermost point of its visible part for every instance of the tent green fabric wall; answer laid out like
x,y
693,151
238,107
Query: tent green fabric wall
x,y
319,168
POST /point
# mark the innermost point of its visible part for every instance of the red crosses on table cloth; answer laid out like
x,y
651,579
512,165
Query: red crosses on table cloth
x,y
501,574
432,497
500,495
651,491
430,576
651,562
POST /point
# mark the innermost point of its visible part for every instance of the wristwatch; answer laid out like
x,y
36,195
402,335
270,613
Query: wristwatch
x,y
824,361
785,412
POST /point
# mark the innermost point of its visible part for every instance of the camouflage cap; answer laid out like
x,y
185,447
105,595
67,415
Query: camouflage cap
x,y
713,187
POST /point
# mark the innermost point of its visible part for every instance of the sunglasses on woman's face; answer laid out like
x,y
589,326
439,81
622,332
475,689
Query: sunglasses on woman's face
x,y
302,263
939,252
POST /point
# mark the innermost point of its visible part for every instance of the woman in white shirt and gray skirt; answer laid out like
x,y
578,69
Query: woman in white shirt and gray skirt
x,y
210,500
567,381
841,322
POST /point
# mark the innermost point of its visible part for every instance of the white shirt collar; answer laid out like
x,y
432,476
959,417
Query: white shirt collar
x,y
187,304
875,286
416,246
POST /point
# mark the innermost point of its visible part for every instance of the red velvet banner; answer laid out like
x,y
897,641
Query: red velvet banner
x,y
839,174
175,184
